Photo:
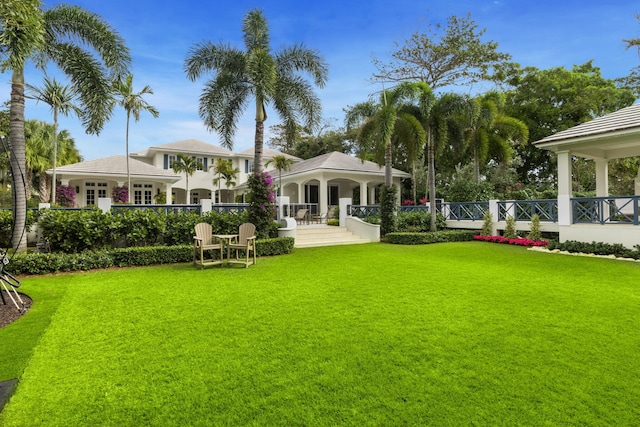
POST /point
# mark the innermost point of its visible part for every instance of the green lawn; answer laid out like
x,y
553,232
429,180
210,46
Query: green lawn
x,y
449,334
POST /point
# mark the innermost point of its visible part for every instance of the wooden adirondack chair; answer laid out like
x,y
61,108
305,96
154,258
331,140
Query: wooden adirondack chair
x,y
246,241
204,241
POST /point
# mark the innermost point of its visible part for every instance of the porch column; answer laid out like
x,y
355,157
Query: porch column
x,y
363,194
372,195
564,188
323,200
168,188
301,192
602,177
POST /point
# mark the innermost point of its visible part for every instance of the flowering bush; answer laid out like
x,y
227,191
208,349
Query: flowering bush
x,y
262,198
66,195
424,201
518,241
120,194
407,202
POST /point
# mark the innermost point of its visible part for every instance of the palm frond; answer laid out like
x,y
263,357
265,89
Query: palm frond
x,y
74,24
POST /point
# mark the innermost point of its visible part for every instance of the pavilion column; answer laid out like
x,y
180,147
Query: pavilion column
x,y
602,178
564,187
168,189
323,201
363,194
301,192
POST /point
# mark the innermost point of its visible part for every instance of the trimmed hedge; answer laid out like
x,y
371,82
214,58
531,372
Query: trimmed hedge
x,y
598,248
45,263
427,238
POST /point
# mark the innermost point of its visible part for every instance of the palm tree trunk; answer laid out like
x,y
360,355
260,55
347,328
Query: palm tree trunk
x,y
55,153
18,161
413,181
388,177
432,182
258,144
44,191
476,166
127,159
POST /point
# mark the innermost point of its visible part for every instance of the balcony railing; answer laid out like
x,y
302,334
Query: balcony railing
x,y
158,208
465,211
606,210
523,210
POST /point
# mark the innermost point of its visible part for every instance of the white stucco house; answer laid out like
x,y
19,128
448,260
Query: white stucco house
x,y
320,180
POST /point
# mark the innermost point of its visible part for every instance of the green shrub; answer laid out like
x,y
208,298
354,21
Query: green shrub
x,y
45,263
487,225
427,238
535,233
150,255
598,248
418,221
388,209
275,246
333,222
510,228
80,230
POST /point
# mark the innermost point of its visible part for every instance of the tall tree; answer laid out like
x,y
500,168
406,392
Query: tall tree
x,y
230,174
271,79
441,120
134,104
491,133
280,163
40,139
634,42
550,101
189,165
441,57
61,36
225,171
61,100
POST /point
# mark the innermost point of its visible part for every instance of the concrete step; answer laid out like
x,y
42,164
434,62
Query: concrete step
x,y
324,235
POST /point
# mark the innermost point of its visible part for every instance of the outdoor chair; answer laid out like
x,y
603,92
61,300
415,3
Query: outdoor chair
x,y
245,241
204,241
325,216
301,215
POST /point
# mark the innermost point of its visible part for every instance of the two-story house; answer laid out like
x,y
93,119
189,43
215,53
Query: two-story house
x,y
320,180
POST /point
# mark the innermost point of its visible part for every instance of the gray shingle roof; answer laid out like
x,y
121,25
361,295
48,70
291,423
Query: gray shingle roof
x,y
268,153
623,119
336,161
115,166
191,146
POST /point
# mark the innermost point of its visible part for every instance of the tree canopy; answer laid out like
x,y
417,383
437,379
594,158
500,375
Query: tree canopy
x,y
453,55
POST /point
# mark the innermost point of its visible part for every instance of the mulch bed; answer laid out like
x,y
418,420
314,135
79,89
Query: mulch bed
x,y
8,312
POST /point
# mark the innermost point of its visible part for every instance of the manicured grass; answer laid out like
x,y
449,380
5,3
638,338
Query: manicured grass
x,y
447,334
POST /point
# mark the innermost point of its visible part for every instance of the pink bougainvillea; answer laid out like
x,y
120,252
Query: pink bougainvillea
x,y
66,195
518,241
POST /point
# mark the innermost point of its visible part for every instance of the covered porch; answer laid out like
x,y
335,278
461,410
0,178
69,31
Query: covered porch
x,y
603,218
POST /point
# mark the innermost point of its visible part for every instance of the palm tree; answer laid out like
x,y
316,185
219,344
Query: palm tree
x,y
383,123
57,35
61,100
229,176
225,170
491,133
634,42
133,103
39,148
441,121
271,79
281,163
189,165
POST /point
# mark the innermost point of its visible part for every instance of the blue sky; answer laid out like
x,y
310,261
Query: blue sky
x,y
347,33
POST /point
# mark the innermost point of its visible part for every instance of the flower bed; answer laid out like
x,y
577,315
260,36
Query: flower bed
x,y
518,241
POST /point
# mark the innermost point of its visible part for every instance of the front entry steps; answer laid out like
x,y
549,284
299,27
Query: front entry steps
x,y
313,235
